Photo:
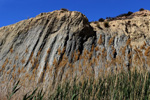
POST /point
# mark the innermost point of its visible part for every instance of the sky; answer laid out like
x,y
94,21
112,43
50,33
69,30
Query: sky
x,y
13,11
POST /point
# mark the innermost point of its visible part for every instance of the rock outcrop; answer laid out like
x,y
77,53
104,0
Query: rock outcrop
x,y
60,45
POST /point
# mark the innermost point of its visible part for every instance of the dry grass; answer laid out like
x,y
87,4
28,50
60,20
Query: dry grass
x,y
19,70
14,66
26,50
85,67
5,63
59,50
55,62
11,50
48,51
128,42
23,60
96,48
39,52
31,56
147,51
111,41
124,50
143,46
100,40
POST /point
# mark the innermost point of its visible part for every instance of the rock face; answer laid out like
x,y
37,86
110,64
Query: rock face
x,y
60,45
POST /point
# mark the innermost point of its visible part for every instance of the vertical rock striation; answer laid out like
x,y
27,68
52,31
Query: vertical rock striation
x,y
61,45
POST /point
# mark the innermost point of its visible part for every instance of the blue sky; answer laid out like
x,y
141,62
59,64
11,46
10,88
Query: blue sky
x,y
12,11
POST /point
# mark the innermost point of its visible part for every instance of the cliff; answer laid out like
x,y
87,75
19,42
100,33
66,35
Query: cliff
x,y
60,45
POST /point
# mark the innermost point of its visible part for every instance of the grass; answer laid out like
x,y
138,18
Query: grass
x,y
131,85
117,84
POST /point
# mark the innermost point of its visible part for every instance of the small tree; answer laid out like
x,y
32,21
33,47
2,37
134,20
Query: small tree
x,y
64,9
142,9
129,13
101,20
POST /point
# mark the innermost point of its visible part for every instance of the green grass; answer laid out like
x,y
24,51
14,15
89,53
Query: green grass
x,y
130,85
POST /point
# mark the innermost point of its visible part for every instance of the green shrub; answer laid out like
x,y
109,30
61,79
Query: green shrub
x,y
101,20
64,9
125,14
106,24
142,9
131,85
123,86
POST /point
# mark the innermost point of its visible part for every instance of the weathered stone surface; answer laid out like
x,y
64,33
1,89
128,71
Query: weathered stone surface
x,y
60,45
